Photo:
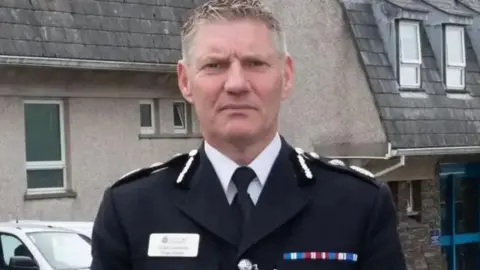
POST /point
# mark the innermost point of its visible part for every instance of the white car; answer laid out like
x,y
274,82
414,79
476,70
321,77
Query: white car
x,y
40,247
83,227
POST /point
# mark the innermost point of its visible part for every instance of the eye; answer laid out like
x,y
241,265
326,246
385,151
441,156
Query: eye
x,y
255,63
212,65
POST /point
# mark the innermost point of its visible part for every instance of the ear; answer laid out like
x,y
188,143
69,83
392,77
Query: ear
x,y
287,77
183,83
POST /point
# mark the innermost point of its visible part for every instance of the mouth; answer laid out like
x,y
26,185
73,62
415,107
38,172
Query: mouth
x,y
236,107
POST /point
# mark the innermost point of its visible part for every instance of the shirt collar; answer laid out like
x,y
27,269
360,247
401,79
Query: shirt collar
x,y
262,164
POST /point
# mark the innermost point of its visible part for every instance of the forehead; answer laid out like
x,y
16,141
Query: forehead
x,y
238,36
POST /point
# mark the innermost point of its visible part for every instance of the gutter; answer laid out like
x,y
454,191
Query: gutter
x,y
387,156
460,150
6,60
403,153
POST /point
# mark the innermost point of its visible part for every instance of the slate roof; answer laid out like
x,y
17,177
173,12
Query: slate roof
x,y
472,4
435,121
409,5
110,30
447,6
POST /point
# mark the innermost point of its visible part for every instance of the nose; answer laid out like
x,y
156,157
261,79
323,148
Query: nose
x,y
236,82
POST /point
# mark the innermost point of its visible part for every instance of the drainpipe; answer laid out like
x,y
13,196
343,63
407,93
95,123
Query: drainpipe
x,y
400,164
389,155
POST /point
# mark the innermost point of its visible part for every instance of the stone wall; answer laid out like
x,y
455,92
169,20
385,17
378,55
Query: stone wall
x,y
415,231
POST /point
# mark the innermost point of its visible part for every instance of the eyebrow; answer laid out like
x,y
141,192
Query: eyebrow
x,y
220,56
258,56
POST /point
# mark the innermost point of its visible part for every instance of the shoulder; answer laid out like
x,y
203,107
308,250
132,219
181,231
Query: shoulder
x,y
176,162
339,167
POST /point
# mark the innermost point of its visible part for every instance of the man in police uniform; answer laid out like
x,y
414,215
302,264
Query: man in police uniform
x,y
245,199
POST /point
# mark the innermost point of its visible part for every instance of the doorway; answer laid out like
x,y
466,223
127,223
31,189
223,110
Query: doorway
x,y
460,215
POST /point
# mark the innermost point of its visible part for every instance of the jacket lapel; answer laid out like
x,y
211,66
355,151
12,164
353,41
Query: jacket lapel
x,y
206,204
280,201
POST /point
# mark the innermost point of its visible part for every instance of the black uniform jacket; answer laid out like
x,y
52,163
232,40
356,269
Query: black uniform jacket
x,y
310,215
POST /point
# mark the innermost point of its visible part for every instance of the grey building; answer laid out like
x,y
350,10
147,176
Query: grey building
x,y
88,92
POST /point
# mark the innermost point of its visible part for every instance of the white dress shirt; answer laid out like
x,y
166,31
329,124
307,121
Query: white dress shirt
x,y
262,164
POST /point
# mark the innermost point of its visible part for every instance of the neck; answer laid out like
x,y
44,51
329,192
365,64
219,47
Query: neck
x,y
243,152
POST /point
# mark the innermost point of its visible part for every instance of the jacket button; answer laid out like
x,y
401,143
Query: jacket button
x,y
245,264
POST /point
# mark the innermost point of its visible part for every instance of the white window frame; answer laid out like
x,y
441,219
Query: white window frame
x,y
55,164
452,65
151,129
410,203
176,129
410,197
403,62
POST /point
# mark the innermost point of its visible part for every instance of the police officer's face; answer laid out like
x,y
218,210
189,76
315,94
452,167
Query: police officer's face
x,y
236,79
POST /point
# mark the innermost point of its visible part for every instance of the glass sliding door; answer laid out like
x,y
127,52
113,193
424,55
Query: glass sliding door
x,y
460,215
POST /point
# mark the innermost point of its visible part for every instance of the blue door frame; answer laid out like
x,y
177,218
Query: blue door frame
x,y
460,215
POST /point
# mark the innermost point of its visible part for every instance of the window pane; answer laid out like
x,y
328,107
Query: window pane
x,y
45,178
466,205
146,115
409,75
445,228
459,218
42,132
455,47
63,250
179,115
394,190
409,42
466,256
9,245
417,195
454,77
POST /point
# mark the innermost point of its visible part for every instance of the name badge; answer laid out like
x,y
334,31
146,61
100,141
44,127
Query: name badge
x,y
173,245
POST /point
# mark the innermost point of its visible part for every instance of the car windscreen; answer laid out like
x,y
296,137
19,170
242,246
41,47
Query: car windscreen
x,y
63,250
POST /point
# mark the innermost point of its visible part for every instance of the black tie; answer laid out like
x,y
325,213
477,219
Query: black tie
x,y
242,201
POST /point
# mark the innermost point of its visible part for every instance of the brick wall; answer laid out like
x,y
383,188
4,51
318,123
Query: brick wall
x,y
415,230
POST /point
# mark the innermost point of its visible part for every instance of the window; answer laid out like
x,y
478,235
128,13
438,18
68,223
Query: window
x,y
414,199
12,246
454,57
165,117
147,117
393,186
180,117
410,54
45,145
63,250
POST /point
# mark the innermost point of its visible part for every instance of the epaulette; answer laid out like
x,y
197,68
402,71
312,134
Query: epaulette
x,y
175,162
303,173
338,166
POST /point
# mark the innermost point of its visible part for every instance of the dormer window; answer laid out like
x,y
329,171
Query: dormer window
x,y
409,54
454,57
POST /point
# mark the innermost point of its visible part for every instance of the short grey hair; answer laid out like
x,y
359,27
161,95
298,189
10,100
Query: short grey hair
x,y
227,10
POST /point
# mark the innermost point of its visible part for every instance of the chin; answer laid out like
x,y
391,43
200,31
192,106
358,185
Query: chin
x,y
239,128
240,134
